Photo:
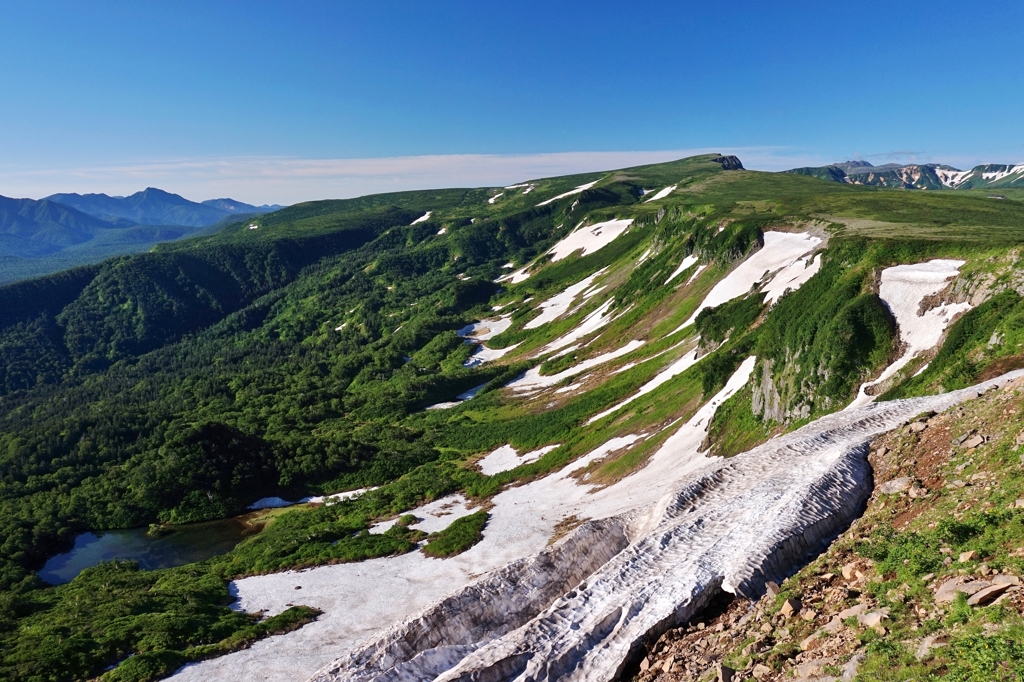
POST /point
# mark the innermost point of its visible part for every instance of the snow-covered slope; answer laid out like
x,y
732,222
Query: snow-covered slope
x,y
731,525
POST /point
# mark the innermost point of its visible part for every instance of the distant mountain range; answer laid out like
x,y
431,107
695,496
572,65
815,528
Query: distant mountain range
x,y
61,230
154,206
919,176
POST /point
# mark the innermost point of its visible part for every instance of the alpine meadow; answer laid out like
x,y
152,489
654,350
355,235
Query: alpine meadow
x,y
680,421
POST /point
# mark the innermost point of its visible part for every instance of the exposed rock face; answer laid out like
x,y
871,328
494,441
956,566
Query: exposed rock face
x,y
729,162
733,525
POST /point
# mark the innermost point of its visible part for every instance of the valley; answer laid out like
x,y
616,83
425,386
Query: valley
x,y
576,410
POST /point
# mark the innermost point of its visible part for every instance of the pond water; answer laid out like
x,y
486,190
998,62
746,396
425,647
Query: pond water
x,y
194,542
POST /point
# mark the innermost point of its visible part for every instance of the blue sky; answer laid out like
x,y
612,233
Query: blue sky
x,y
281,102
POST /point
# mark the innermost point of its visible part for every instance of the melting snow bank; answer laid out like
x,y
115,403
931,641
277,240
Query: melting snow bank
x,y
662,193
558,305
506,458
581,188
533,380
675,369
588,239
779,259
687,262
477,333
581,609
277,502
903,288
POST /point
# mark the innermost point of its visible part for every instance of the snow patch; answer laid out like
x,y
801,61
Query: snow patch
x,y
675,369
589,239
485,329
422,219
903,288
581,188
533,380
495,197
507,458
557,305
780,250
662,194
792,278
589,324
483,354
685,265
336,497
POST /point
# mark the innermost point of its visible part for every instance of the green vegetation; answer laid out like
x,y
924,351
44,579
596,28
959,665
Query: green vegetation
x,y
460,535
185,383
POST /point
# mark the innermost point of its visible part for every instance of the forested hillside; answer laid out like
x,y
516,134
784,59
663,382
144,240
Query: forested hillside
x,y
295,354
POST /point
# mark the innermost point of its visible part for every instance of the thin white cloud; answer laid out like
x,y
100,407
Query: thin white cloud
x,y
284,180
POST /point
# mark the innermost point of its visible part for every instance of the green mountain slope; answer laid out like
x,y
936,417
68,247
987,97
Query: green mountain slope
x,y
295,353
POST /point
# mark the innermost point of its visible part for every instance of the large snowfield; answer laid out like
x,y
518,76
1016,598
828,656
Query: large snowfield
x,y
676,532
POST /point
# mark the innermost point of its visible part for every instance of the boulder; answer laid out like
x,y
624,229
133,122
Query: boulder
x,y
873,618
967,556
813,668
772,589
790,607
834,625
849,570
857,610
973,442
930,643
918,427
725,673
808,643
896,485
760,671
948,590
988,594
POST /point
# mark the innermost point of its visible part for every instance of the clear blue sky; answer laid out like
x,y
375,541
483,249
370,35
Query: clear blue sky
x,y
201,93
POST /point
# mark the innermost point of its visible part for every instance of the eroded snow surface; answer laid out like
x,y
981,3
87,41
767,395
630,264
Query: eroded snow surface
x,y
664,540
903,288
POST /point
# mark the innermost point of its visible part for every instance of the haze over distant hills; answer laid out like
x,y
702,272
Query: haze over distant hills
x,y
154,206
919,176
63,230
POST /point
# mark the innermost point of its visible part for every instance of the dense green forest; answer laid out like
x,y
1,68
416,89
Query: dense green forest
x,y
297,358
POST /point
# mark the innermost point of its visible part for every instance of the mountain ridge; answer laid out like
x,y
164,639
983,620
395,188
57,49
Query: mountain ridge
x,y
527,360
919,176
62,230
